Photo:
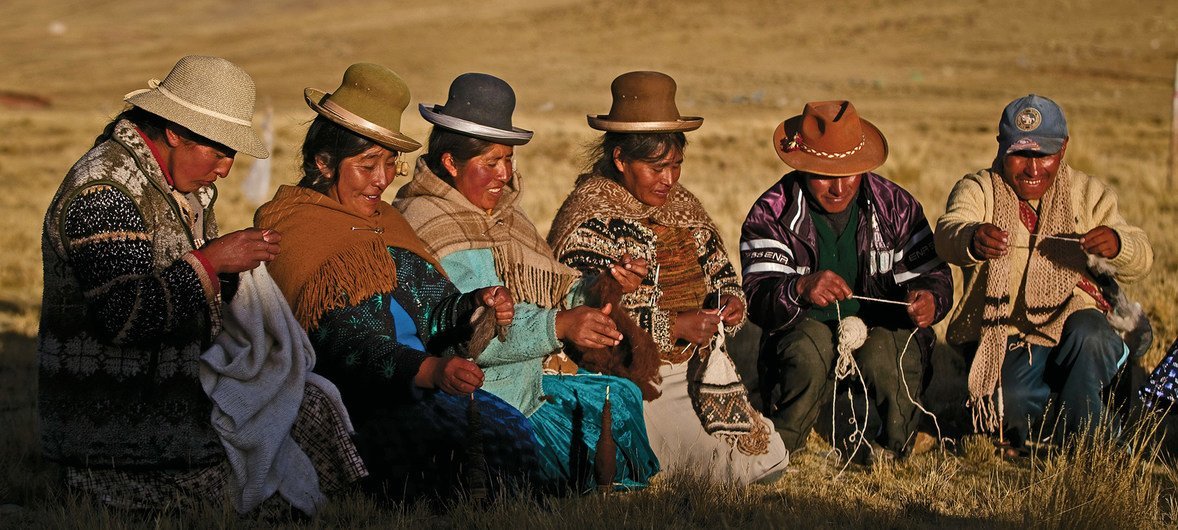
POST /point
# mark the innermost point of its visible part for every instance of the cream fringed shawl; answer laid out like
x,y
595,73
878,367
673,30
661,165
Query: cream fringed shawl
x,y
1052,272
448,222
332,258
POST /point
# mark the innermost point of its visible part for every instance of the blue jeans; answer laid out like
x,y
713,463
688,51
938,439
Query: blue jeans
x,y
1078,369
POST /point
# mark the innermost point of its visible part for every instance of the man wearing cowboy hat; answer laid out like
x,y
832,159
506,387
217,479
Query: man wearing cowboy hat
x,y
133,276
1036,239
813,247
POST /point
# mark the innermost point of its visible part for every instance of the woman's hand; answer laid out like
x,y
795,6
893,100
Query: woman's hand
x,y
453,375
498,299
629,272
696,327
587,327
733,309
241,250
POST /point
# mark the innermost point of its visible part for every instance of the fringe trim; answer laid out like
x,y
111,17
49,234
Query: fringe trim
x,y
352,275
526,283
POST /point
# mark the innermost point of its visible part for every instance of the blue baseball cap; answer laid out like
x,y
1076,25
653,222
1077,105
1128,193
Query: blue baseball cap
x,y
1032,123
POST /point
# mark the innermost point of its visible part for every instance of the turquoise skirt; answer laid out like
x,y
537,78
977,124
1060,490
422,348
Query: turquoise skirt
x,y
568,426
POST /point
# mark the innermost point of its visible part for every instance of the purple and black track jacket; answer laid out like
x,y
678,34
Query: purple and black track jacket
x,y
778,245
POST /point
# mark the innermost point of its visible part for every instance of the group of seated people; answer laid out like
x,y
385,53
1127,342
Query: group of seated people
x,y
440,344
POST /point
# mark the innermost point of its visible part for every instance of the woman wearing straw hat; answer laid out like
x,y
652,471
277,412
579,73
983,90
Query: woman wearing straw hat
x,y
134,277
630,202
463,202
389,328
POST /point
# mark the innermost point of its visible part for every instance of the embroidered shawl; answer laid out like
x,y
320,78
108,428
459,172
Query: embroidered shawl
x,y
717,395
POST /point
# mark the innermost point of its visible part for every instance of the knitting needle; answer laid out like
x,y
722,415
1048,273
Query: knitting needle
x,y
653,292
1047,236
870,299
718,311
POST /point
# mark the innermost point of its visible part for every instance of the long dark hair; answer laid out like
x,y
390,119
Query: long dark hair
x,y
332,142
647,147
460,146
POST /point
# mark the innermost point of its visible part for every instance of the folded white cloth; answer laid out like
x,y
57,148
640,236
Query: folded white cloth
x,y
255,373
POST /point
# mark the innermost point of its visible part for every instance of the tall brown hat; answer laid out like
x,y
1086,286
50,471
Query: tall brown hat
x,y
829,138
368,102
209,96
644,102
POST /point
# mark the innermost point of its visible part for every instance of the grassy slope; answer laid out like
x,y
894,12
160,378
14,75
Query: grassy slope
x,y
933,76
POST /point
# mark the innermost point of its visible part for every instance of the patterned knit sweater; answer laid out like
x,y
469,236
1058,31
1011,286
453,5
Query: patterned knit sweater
x,y
126,311
600,221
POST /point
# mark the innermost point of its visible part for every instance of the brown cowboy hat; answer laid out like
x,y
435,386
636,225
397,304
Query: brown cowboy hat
x,y
829,138
368,102
644,102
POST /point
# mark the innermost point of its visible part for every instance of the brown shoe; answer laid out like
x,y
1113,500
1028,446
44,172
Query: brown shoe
x,y
923,443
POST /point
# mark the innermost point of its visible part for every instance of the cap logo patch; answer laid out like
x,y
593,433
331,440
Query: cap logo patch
x,y
1028,119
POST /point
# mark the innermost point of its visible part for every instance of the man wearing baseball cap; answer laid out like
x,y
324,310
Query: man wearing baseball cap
x,y
1036,239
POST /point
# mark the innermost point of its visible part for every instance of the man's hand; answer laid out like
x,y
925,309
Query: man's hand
x,y
1101,241
498,299
629,272
922,306
241,250
822,288
989,242
587,327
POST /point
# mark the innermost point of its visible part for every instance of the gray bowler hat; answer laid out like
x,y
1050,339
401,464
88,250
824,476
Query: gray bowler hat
x,y
478,105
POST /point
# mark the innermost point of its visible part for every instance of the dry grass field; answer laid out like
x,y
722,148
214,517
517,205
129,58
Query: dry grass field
x,y
932,75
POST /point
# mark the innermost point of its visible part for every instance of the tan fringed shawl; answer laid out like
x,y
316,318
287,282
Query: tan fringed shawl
x,y
1053,269
717,394
332,258
448,222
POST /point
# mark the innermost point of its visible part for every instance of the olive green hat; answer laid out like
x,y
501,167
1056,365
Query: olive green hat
x,y
369,102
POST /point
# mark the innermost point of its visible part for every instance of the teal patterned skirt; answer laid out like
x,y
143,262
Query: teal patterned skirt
x,y
568,427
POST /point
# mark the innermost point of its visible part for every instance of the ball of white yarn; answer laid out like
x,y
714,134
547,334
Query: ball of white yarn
x,y
852,333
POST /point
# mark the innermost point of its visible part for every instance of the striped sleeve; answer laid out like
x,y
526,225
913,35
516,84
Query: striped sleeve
x,y
916,264
770,270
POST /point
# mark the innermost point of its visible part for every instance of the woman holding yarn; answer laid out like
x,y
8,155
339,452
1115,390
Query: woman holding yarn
x,y
389,328
814,247
630,203
464,203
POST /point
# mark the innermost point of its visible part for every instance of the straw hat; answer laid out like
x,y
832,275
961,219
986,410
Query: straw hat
x,y
829,138
209,96
643,102
478,105
368,102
